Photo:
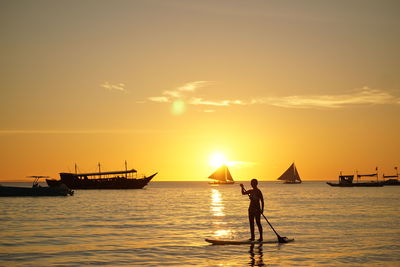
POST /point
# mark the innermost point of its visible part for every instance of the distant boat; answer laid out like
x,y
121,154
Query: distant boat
x,y
102,180
36,190
347,181
393,179
291,175
221,176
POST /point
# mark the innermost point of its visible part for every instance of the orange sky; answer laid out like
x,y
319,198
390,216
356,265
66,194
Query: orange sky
x,y
167,84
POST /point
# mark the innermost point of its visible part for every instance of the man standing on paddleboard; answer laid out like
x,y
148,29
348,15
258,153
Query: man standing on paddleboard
x,y
255,209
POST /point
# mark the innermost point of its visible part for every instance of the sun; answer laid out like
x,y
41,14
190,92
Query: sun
x,y
217,160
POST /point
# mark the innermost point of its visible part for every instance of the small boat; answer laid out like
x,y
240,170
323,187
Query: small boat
x,y
393,179
347,181
102,180
291,175
36,190
221,176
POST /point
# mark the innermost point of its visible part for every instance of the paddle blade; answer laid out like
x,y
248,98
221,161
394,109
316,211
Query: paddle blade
x,y
283,239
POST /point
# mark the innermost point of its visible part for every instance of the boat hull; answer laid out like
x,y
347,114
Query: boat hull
x,y
391,182
292,182
221,182
13,191
370,184
73,182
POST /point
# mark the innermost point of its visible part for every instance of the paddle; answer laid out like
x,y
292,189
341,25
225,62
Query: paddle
x,y
281,239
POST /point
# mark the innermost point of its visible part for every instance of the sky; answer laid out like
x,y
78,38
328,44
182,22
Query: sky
x,y
171,85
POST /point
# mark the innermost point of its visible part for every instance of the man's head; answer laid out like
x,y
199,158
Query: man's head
x,y
254,183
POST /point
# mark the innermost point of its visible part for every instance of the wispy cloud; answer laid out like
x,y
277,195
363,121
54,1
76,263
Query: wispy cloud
x,y
94,131
192,86
201,101
179,92
361,96
114,87
159,99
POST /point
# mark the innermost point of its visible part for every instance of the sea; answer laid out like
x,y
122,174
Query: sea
x,y
166,223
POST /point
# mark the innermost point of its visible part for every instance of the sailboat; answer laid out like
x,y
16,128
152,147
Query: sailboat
x,y
221,176
291,176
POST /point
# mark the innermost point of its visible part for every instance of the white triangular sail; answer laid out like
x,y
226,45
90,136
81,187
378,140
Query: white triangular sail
x,y
291,175
221,174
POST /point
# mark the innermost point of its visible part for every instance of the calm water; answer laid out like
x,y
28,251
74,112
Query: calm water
x,y
166,223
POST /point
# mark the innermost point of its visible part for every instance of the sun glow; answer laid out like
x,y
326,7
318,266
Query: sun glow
x,y
217,159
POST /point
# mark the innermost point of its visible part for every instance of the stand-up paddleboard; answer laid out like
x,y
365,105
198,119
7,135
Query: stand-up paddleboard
x,y
244,242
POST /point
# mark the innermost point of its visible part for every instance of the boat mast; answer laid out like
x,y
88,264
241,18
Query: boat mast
x,y
225,173
99,170
357,175
76,169
294,172
376,173
397,172
126,169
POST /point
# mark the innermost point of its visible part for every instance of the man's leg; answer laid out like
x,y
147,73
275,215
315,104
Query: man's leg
x,y
251,221
260,229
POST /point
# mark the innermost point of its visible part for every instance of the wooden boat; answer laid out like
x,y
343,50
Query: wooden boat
x,y
102,180
347,181
291,175
221,176
36,190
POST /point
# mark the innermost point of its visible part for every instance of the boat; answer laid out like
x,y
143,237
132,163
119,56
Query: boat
x,y
347,181
221,176
102,180
36,190
393,179
291,175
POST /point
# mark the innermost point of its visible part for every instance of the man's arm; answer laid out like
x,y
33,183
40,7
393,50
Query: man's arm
x,y
244,192
262,202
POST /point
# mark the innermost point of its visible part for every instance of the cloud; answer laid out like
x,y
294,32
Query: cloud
x,y
114,87
361,96
159,99
179,92
79,131
201,101
192,86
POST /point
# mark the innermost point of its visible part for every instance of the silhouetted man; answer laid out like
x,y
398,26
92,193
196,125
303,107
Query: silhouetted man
x,y
255,210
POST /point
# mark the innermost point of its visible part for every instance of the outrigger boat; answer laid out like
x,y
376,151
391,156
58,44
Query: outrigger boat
x,y
347,181
36,190
102,180
221,176
393,179
291,175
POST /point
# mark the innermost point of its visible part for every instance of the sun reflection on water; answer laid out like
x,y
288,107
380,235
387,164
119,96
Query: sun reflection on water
x,y
217,209
217,206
